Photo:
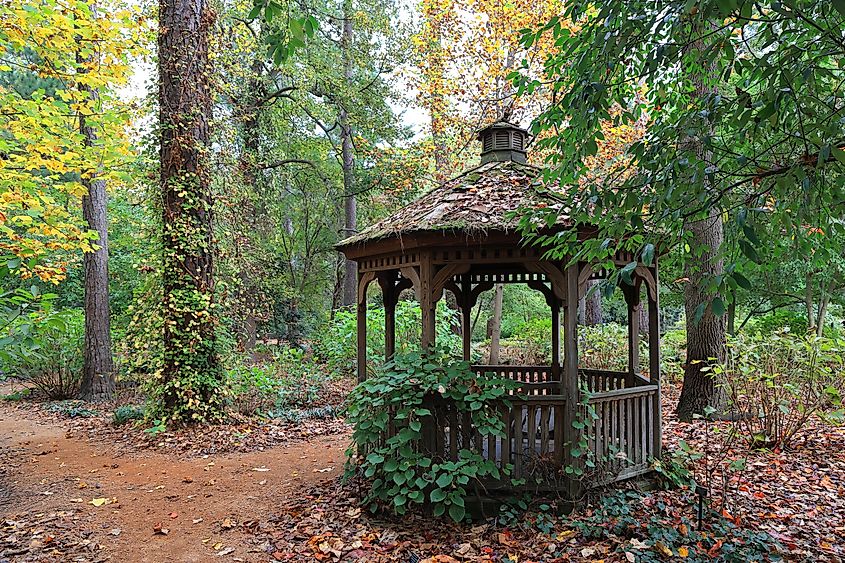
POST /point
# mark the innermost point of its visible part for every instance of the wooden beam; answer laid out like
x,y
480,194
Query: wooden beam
x,y
555,307
445,275
547,292
466,321
411,273
364,280
569,377
632,299
427,300
654,364
554,275
390,295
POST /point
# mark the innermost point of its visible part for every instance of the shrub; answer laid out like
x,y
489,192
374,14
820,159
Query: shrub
x,y
125,413
401,472
777,383
253,389
47,352
535,338
604,347
72,409
337,343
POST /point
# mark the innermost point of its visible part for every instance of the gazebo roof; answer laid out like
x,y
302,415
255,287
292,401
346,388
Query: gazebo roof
x,y
484,198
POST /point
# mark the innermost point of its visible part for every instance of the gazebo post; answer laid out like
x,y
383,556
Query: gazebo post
x,y
466,319
362,329
632,297
569,377
427,301
654,361
389,297
555,307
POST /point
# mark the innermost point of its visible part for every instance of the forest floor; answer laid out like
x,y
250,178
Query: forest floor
x,y
80,489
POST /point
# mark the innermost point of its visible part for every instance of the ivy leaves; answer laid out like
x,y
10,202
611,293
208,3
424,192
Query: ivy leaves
x,y
391,413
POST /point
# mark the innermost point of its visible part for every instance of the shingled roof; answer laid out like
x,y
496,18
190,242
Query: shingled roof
x,y
480,199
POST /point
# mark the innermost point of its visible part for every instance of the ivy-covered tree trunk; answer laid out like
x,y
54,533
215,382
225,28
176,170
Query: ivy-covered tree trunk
x,y
97,367
190,380
705,330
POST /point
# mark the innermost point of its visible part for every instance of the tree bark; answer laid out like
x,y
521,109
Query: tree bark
x,y
706,338
496,324
191,374
350,206
98,366
702,388
592,305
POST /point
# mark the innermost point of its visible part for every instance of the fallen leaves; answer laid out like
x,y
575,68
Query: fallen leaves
x,y
102,501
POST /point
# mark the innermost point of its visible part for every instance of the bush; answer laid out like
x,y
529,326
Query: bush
x,y
126,413
337,344
402,473
778,383
604,346
535,340
47,352
253,389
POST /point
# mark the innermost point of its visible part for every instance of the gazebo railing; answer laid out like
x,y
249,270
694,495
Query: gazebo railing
x,y
623,438
536,380
542,380
625,433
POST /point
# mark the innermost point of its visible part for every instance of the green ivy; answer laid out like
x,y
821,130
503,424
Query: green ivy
x,y
402,473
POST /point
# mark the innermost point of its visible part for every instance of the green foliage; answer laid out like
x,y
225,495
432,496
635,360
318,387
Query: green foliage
x,y
253,388
778,382
673,471
721,99
659,533
46,351
401,472
337,345
535,338
72,409
126,413
603,346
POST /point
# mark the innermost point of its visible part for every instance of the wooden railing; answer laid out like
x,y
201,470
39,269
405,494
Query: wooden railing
x,y
599,380
536,380
623,438
625,435
531,426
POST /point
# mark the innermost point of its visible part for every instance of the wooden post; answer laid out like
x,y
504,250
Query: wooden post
x,y
555,307
390,299
427,300
466,319
632,296
569,377
654,362
362,331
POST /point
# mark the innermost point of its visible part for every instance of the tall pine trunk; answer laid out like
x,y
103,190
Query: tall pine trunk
x,y
98,366
705,335
190,380
350,206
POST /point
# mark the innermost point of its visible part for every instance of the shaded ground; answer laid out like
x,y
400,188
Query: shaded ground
x,y
83,490
49,480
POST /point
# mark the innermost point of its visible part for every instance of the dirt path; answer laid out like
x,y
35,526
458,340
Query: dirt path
x,y
201,502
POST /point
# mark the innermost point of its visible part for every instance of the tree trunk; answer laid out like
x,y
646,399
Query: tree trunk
x,y
190,376
350,207
592,305
643,317
706,338
98,366
496,324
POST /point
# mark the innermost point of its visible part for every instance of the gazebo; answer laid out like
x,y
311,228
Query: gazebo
x,y
461,237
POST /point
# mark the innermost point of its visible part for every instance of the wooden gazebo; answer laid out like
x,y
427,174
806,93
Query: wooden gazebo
x,y
461,237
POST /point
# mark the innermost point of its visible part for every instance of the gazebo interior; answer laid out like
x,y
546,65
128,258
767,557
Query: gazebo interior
x,y
461,237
